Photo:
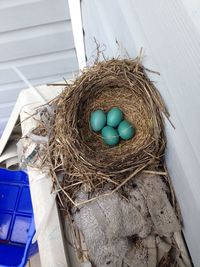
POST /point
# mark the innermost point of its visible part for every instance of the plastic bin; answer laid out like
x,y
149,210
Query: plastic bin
x,y
16,219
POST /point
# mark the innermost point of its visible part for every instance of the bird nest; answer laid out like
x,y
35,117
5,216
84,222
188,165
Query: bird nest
x,y
79,153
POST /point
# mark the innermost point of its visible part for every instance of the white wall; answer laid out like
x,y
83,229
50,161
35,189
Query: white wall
x,y
35,36
169,32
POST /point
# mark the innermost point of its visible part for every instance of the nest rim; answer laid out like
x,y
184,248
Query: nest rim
x,y
71,154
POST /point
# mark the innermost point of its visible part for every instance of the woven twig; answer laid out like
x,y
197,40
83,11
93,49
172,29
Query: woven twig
x,y
79,154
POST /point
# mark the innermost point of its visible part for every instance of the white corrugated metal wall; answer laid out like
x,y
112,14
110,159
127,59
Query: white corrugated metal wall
x,y
169,32
35,36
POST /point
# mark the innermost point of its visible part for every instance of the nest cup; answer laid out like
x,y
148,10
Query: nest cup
x,y
80,154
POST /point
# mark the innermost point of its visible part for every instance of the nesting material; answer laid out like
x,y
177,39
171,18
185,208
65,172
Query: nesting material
x,y
109,224
79,153
126,212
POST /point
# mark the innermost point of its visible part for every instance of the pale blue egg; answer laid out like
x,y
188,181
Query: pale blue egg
x,y
126,130
114,117
97,120
110,136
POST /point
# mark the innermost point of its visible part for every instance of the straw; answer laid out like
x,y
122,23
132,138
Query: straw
x,y
80,154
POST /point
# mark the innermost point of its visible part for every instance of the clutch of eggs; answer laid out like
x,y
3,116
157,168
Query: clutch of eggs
x,y
112,125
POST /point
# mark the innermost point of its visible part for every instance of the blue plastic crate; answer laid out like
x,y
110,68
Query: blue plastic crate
x,y
16,219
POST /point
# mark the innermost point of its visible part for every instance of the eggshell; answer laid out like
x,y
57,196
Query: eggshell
x,y
126,130
110,136
114,117
97,120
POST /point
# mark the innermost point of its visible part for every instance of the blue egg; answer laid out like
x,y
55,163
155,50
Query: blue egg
x,y
126,130
110,136
97,120
114,117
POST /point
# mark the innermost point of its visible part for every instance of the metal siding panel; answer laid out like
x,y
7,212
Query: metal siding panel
x,y
36,36
16,14
11,91
6,109
8,75
36,41
65,65
40,65
170,34
3,123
